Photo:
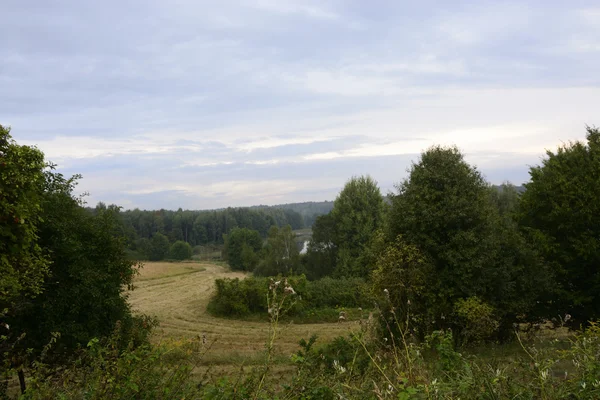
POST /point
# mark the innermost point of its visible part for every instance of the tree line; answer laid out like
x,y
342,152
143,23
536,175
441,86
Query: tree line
x,y
453,251
152,233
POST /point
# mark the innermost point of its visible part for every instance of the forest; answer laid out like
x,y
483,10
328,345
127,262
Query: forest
x,y
451,271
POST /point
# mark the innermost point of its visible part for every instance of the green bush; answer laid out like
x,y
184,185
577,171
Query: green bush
x,y
234,297
476,320
181,250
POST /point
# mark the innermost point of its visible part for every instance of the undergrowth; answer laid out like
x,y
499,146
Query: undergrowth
x,y
363,365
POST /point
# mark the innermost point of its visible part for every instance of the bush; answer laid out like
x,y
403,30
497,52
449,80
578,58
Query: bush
x,y
475,319
234,297
181,250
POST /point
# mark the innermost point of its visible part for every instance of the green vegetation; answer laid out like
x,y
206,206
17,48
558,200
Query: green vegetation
x,y
241,248
280,255
453,274
240,298
560,209
64,270
341,240
180,250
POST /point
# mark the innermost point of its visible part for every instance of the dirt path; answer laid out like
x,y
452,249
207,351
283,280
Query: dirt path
x,y
178,294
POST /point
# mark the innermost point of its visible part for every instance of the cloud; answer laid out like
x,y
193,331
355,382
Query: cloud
x,y
209,104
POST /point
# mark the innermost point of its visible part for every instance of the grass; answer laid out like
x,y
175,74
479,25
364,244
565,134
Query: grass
x,y
177,294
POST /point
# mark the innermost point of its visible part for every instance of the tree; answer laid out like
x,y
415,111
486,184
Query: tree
x,y
241,248
280,253
23,265
444,209
322,252
77,288
560,208
357,213
181,250
506,198
159,247
85,295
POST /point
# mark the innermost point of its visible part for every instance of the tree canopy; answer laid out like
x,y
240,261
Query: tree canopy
x,y
358,211
23,264
561,209
242,247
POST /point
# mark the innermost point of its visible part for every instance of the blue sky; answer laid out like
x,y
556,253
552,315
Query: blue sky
x,y
167,104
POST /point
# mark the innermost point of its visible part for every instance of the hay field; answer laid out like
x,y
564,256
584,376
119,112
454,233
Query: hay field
x,y
177,294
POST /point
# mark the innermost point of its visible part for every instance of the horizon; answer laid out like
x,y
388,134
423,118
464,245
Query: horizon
x,y
204,106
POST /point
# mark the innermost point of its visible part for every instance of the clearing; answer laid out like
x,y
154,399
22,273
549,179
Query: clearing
x,y
177,294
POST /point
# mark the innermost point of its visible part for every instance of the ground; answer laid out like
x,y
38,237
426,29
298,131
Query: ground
x,y
177,294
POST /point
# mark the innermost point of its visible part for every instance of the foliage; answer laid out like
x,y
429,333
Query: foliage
x,y
241,248
159,247
561,210
341,240
357,213
476,319
280,255
23,265
84,296
401,278
203,227
234,297
321,256
444,208
180,250
102,370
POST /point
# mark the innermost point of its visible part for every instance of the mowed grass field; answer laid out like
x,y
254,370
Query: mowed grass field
x,y
177,294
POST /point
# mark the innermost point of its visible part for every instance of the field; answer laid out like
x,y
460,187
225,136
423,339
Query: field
x,y
177,294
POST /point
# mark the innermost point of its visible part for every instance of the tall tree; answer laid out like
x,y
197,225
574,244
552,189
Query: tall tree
x,y
357,214
22,263
280,253
561,209
322,251
241,248
445,209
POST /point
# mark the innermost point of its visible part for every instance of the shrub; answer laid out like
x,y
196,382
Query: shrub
x,y
234,297
181,250
475,320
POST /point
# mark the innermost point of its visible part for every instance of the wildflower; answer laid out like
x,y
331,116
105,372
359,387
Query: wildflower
x,y
567,317
408,302
387,292
338,367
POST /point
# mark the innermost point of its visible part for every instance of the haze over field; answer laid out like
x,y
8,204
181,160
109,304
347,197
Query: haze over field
x,y
208,104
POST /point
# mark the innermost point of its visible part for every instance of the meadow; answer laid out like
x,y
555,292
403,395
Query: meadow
x,y
177,293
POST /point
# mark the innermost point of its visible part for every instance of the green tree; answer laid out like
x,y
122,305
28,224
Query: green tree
x,y
181,250
159,247
358,212
506,198
280,253
445,209
85,295
322,252
23,265
560,208
241,248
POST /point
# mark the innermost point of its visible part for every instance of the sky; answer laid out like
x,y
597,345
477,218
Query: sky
x,y
208,104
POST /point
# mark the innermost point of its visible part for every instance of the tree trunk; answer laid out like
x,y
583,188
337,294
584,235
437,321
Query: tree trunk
x,y
22,380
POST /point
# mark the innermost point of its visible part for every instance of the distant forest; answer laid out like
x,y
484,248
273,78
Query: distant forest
x,y
209,226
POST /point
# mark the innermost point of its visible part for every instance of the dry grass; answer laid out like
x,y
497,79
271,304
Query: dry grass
x,y
157,270
179,302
